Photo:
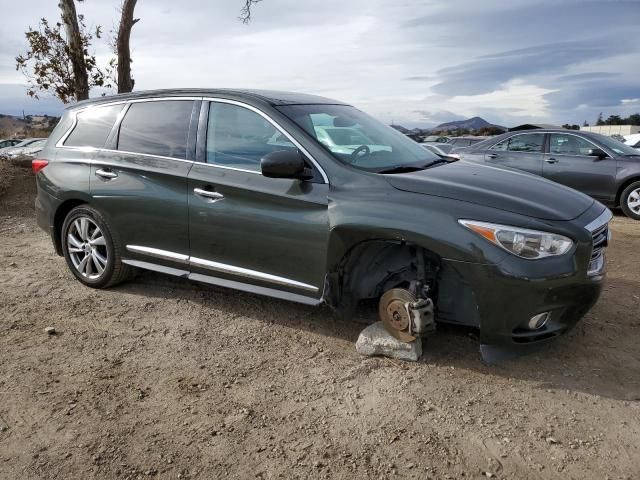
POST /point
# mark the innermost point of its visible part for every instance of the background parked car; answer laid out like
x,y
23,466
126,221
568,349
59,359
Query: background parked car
x,y
633,140
604,168
440,149
17,148
436,138
9,142
464,141
24,155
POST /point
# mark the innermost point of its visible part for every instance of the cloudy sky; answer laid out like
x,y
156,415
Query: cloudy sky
x,y
415,62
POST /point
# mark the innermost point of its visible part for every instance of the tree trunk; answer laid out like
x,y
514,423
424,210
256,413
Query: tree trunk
x,y
76,52
125,82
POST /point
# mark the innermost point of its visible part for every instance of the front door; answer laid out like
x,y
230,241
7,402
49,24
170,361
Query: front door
x,y
251,229
569,163
522,151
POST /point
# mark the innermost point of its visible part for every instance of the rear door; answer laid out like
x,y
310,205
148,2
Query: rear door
x,y
140,181
522,151
569,163
244,227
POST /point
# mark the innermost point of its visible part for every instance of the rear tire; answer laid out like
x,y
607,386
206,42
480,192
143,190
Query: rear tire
x,y
630,201
89,249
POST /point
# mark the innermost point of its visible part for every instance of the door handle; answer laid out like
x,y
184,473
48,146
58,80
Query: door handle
x,y
106,173
551,160
208,194
492,155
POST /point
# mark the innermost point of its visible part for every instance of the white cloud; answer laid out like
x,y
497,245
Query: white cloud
x,y
392,58
517,98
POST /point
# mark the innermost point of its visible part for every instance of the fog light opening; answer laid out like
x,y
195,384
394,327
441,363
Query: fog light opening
x,y
538,321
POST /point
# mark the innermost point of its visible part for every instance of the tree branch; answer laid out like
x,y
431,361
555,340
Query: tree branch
x,y
245,13
125,82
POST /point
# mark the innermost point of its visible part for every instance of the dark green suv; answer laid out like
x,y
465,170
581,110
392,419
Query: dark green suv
x,y
308,199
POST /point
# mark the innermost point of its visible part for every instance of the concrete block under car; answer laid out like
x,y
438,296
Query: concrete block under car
x,y
375,340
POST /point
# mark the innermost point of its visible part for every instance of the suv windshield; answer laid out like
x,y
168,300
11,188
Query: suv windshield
x,y
615,145
357,139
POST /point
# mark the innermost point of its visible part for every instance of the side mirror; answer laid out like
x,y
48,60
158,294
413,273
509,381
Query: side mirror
x,y
597,152
285,164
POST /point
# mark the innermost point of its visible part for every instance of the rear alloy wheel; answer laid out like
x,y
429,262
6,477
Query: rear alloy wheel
x,y
89,249
630,201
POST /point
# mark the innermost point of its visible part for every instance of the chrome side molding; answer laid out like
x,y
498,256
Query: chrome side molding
x,y
157,253
219,267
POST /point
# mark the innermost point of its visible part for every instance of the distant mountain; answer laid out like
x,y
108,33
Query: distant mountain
x,y
400,128
474,123
27,126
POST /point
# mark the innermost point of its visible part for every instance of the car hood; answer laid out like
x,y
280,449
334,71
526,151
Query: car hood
x,y
508,190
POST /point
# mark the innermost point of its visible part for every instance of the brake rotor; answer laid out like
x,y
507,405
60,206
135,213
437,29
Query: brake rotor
x,y
394,315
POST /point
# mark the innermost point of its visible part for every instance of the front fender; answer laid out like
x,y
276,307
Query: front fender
x,y
423,220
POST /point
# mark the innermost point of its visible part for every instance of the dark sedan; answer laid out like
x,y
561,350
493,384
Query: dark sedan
x,y
600,166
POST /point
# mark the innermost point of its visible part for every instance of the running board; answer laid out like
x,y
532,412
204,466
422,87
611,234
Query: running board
x,y
221,282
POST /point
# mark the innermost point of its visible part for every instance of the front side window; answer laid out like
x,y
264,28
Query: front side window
x,y
156,128
93,126
616,146
561,144
238,137
358,140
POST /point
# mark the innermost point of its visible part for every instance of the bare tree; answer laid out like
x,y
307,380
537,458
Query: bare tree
x,y
75,49
123,50
245,13
51,63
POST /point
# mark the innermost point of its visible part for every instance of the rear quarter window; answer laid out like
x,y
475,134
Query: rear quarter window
x,y
93,126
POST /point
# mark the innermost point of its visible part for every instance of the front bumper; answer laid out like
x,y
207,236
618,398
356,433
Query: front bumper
x,y
501,299
505,303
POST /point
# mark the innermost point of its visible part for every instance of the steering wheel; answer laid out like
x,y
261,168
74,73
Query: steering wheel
x,y
360,152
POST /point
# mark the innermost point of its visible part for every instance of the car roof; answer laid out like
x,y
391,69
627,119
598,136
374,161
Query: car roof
x,y
593,135
272,97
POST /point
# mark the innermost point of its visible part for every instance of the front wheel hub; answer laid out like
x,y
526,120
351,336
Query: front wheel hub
x,y
394,314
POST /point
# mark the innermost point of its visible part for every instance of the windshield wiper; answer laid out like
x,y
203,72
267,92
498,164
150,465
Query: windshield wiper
x,y
402,169
415,168
441,160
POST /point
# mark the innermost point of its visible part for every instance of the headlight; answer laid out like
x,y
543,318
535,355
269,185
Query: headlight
x,y
530,244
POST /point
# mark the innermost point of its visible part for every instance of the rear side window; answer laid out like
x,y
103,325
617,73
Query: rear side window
x,y
156,128
530,142
93,126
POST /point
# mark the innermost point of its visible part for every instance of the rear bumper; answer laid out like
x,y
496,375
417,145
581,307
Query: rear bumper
x,y
46,205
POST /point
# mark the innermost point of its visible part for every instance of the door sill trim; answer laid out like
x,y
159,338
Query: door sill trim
x,y
221,282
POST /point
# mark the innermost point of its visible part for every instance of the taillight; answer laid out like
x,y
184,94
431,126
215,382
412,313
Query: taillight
x,y
38,164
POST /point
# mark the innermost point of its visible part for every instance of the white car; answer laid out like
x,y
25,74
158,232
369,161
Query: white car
x,y
346,140
18,148
633,140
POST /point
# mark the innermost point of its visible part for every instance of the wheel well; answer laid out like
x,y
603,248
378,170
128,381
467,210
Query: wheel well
x,y
625,185
58,219
372,267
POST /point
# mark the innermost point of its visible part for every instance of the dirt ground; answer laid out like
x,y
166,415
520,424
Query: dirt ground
x,y
165,378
